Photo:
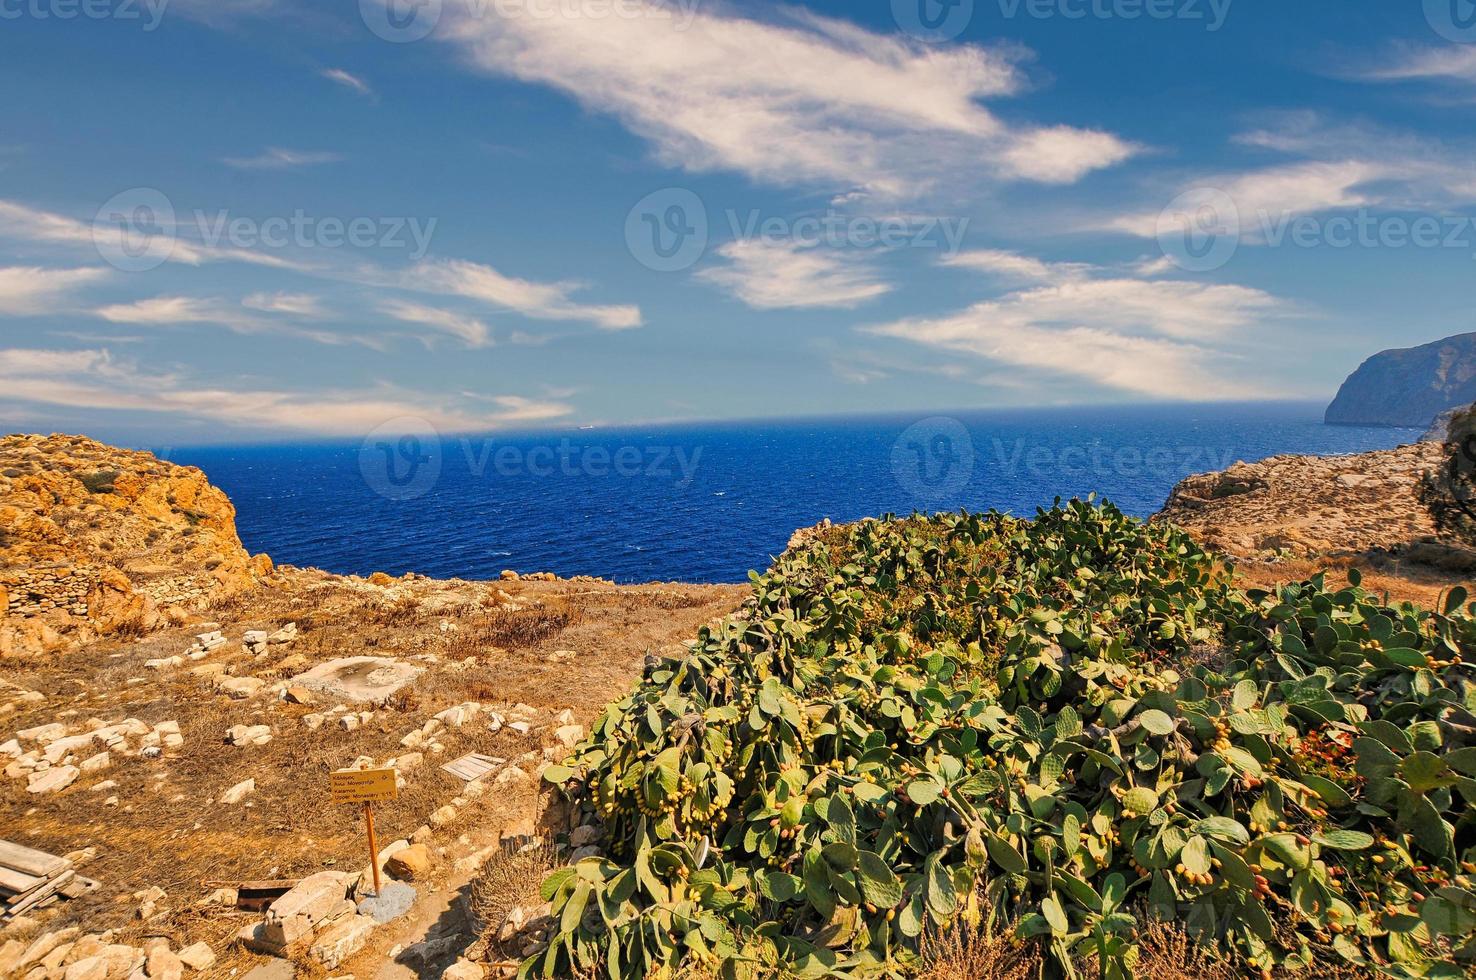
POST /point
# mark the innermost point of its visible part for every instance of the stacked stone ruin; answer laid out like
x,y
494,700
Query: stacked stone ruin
x,y
45,589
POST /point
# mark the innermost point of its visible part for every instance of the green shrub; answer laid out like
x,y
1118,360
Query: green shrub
x,y
1057,727
1449,493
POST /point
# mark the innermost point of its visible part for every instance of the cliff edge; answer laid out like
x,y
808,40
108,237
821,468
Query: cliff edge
x,y
1409,387
96,540
1309,506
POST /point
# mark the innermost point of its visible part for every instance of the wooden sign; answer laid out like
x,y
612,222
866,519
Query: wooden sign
x,y
362,785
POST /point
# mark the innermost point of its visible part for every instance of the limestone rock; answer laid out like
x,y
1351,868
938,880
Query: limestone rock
x,y
412,863
463,969
51,780
99,540
341,940
238,792
198,956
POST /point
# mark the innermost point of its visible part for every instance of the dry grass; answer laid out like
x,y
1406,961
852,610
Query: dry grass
x,y
964,952
509,879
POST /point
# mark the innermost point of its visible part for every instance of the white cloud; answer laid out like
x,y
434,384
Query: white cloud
x,y
470,330
347,80
1156,338
1275,192
784,275
539,300
1012,265
174,311
1063,155
1456,63
21,223
809,100
278,158
94,379
1342,167
302,305
28,290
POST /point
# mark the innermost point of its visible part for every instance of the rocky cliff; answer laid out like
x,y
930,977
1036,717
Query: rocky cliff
x,y
1408,387
1310,506
96,540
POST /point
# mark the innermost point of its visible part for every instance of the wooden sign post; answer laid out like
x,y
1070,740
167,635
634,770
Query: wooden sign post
x,y
366,786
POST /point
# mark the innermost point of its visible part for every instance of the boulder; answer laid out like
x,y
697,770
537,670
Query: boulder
x,y
341,940
240,688
463,969
238,792
313,899
51,780
198,956
412,863
164,965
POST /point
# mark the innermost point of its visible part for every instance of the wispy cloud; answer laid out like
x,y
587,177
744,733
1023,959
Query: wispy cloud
x,y
1453,63
95,379
21,223
175,311
347,80
470,330
278,158
1014,266
443,277
539,300
805,100
784,275
303,305
26,290
1339,168
1163,339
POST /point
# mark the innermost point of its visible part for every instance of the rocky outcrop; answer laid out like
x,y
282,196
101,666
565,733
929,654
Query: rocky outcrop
x,y
96,540
1408,387
1309,506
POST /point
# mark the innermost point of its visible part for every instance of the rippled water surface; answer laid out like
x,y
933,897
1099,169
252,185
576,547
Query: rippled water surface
x,y
709,502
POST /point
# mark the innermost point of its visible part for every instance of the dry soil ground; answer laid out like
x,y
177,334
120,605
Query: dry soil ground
x,y
548,645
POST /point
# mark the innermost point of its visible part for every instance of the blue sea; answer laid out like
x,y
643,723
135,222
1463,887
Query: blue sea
x,y
707,503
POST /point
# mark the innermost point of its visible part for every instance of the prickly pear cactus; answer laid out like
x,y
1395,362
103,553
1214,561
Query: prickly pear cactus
x,y
1059,726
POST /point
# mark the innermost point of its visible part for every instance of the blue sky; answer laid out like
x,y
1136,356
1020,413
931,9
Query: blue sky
x,y
233,220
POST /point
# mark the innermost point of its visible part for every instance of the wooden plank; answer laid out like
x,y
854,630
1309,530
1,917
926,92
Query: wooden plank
x,y
471,767
40,895
284,884
30,861
16,882
78,887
